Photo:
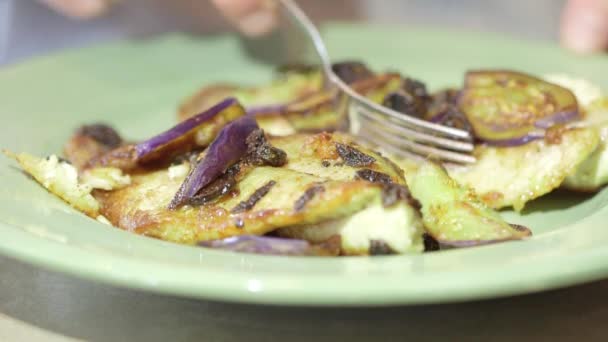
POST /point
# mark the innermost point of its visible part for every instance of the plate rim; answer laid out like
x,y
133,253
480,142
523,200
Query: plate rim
x,y
275,290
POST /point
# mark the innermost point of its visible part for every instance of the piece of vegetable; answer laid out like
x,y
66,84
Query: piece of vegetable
x,y
351,71
102,133
187,134
507,107
261,152
585,91
513,176
411,98
141,207
61,179
399,226
105,178
453,215
443,109
193,133
592,174
275,246
229,146
89,142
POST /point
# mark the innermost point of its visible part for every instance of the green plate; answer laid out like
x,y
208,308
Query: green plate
x,y
137,86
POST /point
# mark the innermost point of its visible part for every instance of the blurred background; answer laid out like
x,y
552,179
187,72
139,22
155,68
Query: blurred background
x,y
28,28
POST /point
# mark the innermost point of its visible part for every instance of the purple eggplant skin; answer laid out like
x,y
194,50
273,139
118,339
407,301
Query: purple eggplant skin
x,y
504,105
182,137
512,142
267,110
227,149
269,245
260,245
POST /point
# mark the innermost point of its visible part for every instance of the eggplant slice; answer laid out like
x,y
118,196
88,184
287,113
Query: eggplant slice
x,y
453,215
142,206
512,176
592,174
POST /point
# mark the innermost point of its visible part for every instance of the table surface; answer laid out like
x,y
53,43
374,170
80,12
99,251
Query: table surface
x,y
43,305
38,305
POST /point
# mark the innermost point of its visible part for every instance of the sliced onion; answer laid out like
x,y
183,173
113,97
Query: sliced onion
x,y
274,246
507,107
183,135
229,146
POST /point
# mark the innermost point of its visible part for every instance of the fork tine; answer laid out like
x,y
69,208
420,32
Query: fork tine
x,y
415,129
400,117
400,132
398,147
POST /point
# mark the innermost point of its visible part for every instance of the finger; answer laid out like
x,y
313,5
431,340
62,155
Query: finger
x,y
585,25
252,17
82,9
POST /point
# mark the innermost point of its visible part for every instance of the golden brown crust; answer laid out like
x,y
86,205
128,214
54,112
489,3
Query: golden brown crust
x,y
80,149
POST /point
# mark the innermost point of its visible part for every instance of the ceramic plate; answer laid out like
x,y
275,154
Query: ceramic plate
x,y
137,86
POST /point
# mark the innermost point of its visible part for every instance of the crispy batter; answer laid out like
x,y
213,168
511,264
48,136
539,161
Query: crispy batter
x,y
142,206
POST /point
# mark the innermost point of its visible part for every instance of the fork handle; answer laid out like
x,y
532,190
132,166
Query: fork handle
x,y
303,21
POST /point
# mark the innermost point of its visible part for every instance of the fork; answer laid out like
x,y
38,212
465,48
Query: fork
x,y
397,133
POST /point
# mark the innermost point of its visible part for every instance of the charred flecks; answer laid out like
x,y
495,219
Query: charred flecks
x,y
430,244
415,87
351,71
307,196
326,163
219,187
353,157
519,227
445,97
257,195
190,156
391,192
453,117
260,152
444,110
59,159
373,176
412,98
102,133
380,247
405,103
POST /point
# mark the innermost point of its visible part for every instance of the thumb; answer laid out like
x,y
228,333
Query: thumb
x,y
252,17
585,25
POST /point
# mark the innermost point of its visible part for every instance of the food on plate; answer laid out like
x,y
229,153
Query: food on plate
x,y
513,176
592,174
454,215
272,170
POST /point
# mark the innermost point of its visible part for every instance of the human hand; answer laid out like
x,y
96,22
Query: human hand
x,y
81,9
584,26
252,17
